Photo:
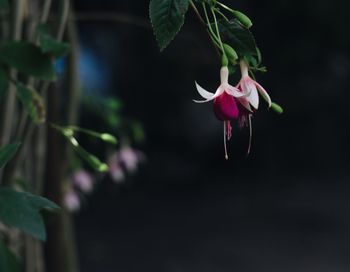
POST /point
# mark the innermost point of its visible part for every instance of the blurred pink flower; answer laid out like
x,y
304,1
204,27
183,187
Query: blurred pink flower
x,y
71,201
126,159
83,180
129,158
115,168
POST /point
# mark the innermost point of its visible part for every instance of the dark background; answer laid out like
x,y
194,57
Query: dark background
x,y
284,208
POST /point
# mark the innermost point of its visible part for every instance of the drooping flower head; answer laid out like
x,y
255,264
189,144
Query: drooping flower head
x,y
83,180
225,102
127,159
252,88
71,200
115,169
250,103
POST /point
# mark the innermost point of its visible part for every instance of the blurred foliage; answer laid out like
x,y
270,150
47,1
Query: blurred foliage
x,y
22,210
8,260
7,152
27,58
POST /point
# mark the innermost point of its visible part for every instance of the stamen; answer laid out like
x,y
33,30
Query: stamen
x,y
250,133
229,130
225,147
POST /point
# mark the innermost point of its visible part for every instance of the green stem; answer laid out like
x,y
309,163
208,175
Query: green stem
x,y
217,30
206,25
211,32
222,15
225,7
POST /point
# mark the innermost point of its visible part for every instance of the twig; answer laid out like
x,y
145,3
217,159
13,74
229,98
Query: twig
x,y
63,20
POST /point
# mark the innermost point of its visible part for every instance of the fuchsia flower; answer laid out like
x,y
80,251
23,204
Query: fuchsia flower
x,y
251,87
226,107
129,158
232,103
71,200
125,160
115,169
83,180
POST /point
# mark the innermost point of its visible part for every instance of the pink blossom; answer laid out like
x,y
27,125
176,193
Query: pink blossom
x,y
83,180
129,158
225,102
71,200
115,168
251,87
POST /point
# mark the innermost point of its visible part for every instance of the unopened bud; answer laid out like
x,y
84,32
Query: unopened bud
x,y
230,52
108,138
277,108
244,19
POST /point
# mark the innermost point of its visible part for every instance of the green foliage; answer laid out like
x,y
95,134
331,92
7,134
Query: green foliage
x,y
137,131
32,102
7,152
8,260
49,44
239,37
22,210
107,108
27,58
167,17
4,83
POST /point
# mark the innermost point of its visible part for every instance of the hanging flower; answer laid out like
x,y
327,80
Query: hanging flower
x,y
71,200
125,160
83,181
115,169
251,87
225,102
249,104
129,158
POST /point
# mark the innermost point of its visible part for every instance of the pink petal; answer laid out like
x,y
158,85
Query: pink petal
x,y
264,93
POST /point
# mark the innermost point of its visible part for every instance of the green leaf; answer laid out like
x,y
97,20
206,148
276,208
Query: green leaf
x,y
4,83
8,260
167,17
7,152
238,37
22,210
49,44
32,102
27,58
